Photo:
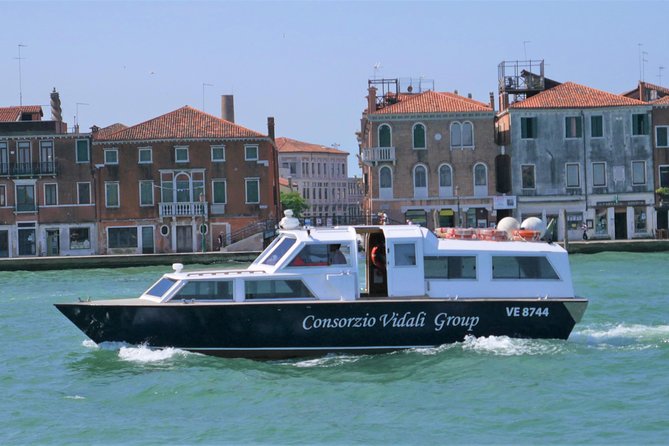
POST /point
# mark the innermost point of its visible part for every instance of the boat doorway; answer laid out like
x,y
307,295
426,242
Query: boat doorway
x,y
184,238
373,279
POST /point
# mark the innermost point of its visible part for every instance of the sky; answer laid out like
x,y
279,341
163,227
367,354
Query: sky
x,y
307,64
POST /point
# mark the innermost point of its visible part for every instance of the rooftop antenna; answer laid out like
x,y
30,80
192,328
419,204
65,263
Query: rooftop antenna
x,y
643,65
204,84
76,116
377,67
640,63
660,74
525,42
20,83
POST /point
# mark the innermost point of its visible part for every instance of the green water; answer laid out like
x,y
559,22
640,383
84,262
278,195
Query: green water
x,y
609,383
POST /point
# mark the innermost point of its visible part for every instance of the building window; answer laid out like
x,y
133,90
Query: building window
x,y
251,153
640,219
528,128
661,139
252,190
112,194
3,195
80,238
385,136
599,174
146,193
4,159
640,124
573,127
596,127
573,175
84,193
480,175
664,176
50,194
46,157
456,135
219,191
111,156
445,176
218,154
145,155
467,134
420,177
25,198
181,154
528,176
419,136
122,237
83,152
638,173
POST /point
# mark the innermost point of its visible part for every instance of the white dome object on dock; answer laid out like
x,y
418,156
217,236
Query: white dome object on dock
x,y
508,224
534,224
177,267
288,221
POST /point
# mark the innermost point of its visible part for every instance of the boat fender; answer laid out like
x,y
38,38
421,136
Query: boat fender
x,y
378,257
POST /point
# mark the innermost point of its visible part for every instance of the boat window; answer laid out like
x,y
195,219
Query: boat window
x,y
526,267
279,250
450,267
161,287
405,254
322,255
276,289
206,290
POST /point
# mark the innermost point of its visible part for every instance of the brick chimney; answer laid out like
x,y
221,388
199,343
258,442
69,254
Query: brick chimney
x,y
228,107
492,100
371,100
270,127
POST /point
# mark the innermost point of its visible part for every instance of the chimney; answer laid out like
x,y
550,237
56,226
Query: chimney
x,y
469,95
371,100
492,100
56,112
270,127
455,91
228,107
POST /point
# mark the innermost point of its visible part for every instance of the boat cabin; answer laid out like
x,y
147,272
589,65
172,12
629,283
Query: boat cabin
x,y
378,262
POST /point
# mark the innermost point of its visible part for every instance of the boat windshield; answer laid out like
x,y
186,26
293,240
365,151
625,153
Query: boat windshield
x,y
280,249
161,287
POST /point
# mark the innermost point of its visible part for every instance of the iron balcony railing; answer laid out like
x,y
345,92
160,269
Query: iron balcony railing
x,y
28,169
373,155
187,209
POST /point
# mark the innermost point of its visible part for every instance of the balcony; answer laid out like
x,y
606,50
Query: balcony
x,y
375,155
192,209
29,170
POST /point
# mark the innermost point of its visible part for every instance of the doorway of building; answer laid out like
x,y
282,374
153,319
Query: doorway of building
x,y
52,242
147,240
620,222
184,238
4,243
27,239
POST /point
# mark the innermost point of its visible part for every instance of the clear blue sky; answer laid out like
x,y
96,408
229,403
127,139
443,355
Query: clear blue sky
x,y
307,63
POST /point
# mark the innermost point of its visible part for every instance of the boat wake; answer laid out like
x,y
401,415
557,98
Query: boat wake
x,y
632,336
506,346
138,353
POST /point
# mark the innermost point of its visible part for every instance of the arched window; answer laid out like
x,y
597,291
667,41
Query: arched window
x,y
182,183
445,181
456,135
420,181
480,180
385,137
385,182
419,136
467,134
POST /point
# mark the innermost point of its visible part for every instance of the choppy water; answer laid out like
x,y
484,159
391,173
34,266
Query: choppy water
x,y
609,383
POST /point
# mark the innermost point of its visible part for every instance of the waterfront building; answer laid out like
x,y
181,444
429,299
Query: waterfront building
x,y
429,157
578,149
182,182
320,175
47,205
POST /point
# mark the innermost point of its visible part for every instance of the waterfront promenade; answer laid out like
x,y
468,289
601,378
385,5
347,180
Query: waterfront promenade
x,y
245,257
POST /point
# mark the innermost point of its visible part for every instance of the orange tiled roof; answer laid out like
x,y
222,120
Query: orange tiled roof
x,y
434,102
664,100
105,132
287,145
10,114
183,123
572,95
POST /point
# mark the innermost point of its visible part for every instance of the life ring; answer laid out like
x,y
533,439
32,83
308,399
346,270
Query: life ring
x,y
526,235
378,256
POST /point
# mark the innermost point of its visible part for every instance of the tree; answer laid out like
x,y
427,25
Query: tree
x,y
293,201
